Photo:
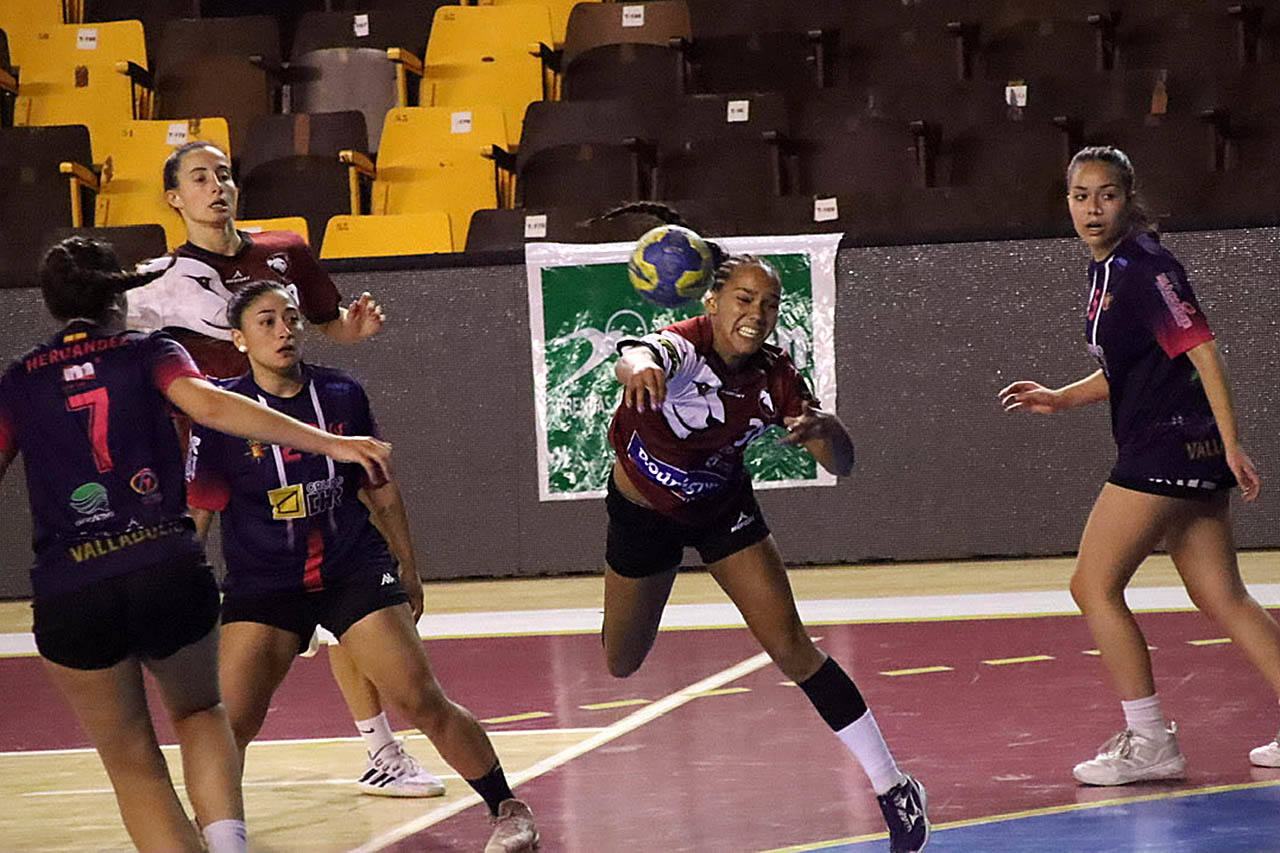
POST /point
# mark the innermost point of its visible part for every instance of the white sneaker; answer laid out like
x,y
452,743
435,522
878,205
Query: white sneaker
x,y
1132,757
1267,756
513,829
392,772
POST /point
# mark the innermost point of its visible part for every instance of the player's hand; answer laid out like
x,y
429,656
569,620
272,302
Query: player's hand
x,y
1024,396
413,587
810,424
1246,473
364,317
372,454
646,388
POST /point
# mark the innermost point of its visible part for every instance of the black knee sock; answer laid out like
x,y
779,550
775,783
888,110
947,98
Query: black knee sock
x,y
835,695
493,787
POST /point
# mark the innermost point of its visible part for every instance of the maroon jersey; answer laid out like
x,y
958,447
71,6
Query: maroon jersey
x,y
103,465
686,459
189,301
1140,320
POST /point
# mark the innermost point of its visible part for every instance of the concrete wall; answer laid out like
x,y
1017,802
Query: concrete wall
x,y
925,337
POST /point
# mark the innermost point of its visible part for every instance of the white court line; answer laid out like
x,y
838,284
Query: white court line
x,y
629,723
279,783
584,730
586,620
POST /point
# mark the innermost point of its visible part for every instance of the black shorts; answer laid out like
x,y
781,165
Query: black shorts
x,y
643,542
1177,465
337,607
149,613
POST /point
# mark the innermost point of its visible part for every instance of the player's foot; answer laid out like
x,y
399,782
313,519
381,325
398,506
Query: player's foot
x,y
392,772
1267,756
513,829
1132,757
905,808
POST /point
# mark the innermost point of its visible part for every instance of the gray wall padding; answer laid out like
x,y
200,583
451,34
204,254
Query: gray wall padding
x,y
926,336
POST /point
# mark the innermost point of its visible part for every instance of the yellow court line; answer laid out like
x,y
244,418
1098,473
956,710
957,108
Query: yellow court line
x,y
723,691
1041,812
621,703
515,718
1028,659
920,670
1214,642
615,730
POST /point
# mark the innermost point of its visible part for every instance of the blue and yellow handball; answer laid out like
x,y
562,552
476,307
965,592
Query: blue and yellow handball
x,y
670,265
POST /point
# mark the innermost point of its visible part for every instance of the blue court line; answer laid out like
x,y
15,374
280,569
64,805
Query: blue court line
x,y
1245,820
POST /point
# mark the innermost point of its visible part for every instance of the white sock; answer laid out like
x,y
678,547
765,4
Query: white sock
x,y
225,836
1145,717
376,733
864,740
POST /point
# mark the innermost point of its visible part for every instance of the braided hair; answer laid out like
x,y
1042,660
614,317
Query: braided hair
x,y
81,277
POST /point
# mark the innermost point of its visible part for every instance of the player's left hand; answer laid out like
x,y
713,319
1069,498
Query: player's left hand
x,y
1246,473
810,424
413,586
364,317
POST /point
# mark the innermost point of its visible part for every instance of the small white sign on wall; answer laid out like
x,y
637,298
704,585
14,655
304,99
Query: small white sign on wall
x,y
739,111
633,16
177,134
460,122
535,226
360,25
87,38
825,209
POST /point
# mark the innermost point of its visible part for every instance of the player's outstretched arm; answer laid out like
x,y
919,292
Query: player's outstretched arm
x,y
234,414
389,515
644,385
1213,378
1025,396
825,437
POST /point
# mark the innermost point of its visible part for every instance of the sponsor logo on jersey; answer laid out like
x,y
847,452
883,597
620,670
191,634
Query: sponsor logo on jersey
x,y
687,485
743,520
105,545
387,579
279,263
90,500
193,456
1206,449
78,372
237,277
1180,310
145,482
301,500
256,450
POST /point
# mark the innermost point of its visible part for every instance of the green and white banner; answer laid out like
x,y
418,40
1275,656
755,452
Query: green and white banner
x,y
581,304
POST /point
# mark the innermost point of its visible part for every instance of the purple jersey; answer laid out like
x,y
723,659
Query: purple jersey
x,y
289,519
103,464
1141,318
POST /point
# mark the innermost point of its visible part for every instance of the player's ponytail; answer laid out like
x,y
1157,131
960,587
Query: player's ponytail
x,y
82,278
666,215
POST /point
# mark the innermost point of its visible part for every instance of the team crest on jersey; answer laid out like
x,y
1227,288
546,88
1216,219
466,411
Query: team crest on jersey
x,y
256,450
696,405
279,263
145,482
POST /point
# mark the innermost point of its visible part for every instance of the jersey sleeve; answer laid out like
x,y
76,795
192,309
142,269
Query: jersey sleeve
x,y
8,429
1172,313
168,360
318,297
675,354
207,486
790,389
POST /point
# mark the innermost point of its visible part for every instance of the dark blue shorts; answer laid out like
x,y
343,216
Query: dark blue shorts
x,y
1175,464
148,613
643,542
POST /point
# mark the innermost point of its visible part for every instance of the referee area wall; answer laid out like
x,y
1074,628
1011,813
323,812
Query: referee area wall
x,y
925,338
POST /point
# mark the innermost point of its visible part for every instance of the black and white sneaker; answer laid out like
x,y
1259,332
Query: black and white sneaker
x,y
904,808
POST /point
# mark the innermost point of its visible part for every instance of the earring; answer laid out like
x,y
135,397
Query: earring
x,y
242,348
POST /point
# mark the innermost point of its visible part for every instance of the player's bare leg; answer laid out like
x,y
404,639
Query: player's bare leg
x,y
632,611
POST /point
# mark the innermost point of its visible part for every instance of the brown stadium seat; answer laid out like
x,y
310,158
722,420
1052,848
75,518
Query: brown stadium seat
x,y
585,173
1039,46
227,67
616,50
836,149
33,193
764,46
1226,36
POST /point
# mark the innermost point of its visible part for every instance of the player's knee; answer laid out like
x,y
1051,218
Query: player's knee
x,y
1090,591
622,664
427,706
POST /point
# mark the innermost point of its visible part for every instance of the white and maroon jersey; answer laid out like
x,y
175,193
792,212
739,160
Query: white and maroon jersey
x,y
190,300
686,459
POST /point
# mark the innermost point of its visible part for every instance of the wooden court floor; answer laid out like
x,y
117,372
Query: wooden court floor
x,y
298,779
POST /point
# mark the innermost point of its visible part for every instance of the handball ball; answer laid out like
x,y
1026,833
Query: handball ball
x,y
670,265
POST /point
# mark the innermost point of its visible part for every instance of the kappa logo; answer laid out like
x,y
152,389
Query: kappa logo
x,y
387,579
78,372
743,520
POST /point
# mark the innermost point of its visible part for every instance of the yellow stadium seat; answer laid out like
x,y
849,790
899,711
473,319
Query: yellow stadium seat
x,y
484,55
296,224
131,187
389,234
559,10
92,74
434,159
22,19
